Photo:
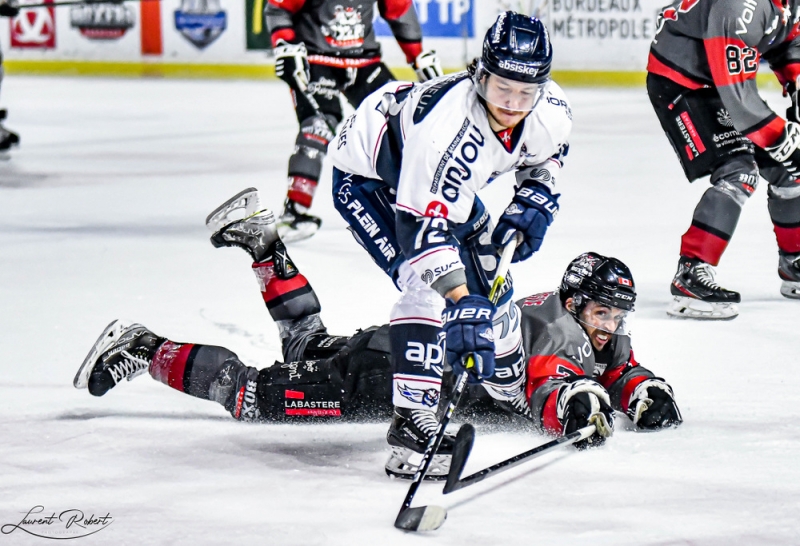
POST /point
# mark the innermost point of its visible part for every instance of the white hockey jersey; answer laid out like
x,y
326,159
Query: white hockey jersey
x,y
433,144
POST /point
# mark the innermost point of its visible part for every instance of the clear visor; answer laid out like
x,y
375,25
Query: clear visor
x,y
507,94
611,320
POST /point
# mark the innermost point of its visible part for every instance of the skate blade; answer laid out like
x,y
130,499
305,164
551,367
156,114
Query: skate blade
x,y
108,338
790,290
403,463
304,230
246,200
691,308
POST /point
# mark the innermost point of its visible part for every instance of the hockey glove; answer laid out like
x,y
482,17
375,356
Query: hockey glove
x,y
530,213
291,64
652,406
785,150
468,332
585,402
427,66
8,9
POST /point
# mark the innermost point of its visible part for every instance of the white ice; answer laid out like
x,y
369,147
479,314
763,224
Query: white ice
x,y
101,216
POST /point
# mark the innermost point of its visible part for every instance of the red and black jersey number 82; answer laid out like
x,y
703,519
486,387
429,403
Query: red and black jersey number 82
x,y
740,59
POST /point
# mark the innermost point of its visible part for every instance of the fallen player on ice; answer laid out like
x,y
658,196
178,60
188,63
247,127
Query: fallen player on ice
x,y
579,364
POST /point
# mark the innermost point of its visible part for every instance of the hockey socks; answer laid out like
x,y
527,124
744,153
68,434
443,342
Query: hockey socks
x,y
211,373
286,292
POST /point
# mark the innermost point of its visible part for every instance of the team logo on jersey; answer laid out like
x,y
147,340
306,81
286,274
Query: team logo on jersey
x,y
724,118
436,209
102,21
537,299
200,21
426,397
345,30
34,28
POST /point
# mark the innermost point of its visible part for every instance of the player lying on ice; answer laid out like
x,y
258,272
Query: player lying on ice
x,y
580,364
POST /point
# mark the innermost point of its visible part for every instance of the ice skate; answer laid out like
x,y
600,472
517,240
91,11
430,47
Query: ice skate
x,y
123,351
408,435
295,224
789,271
238,222
697,296
7,138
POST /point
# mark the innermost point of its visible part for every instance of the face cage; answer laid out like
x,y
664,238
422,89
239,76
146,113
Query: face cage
x,y
511,101
581,302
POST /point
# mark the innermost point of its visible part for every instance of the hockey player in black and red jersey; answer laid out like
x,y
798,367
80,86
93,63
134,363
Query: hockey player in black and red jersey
x,y
579,362
7,138
323,48
580,366
702,84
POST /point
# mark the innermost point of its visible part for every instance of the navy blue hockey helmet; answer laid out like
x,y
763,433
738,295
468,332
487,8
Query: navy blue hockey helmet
x,y
594,277
517,47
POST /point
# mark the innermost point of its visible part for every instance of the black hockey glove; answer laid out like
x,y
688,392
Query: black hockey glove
x,y
8,9
652,406
468,332
582,402
530,213
785,151
427,66
291,64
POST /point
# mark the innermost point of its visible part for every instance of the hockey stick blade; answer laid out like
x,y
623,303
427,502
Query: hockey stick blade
x,y
455,484
461,450
421,518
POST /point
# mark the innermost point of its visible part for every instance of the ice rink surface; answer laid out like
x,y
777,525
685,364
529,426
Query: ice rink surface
x,y
101,216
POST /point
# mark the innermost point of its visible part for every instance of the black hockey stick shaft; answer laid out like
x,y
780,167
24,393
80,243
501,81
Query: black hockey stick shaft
x,y
425,518
464,444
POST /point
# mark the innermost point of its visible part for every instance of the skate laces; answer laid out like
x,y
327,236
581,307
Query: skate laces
x,y
705,275
425,421
129,367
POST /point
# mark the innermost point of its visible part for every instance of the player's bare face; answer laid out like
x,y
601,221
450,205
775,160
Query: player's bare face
x,y
601,322
508,101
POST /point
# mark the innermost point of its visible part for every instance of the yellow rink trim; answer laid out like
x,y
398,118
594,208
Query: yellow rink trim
x,y
568,78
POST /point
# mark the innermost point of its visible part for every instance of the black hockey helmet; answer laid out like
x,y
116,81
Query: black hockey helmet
x,y
594,277
517,47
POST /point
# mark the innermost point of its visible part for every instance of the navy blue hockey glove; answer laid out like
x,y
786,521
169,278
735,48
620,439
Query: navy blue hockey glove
x,y
652,406
8,9
530,213
468,329
582,402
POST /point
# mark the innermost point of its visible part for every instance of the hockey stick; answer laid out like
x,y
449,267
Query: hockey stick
x,y
463,445
431,517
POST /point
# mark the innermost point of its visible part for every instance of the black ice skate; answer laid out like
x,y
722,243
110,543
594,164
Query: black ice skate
x,y
123,351
789,271
408,435
697,296
295,224
7,138
238,222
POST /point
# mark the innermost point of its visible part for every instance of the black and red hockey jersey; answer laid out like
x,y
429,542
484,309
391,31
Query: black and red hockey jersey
x,y
719,43
340,32
557,347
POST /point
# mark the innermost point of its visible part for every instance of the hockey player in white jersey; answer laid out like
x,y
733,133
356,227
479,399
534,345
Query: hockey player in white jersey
x,y
407,168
